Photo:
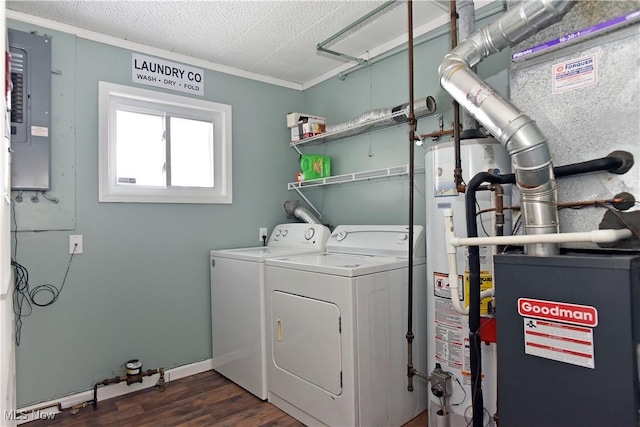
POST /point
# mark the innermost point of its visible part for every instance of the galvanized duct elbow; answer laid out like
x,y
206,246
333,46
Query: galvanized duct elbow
x,y
466,26
521,135
383,117
293,210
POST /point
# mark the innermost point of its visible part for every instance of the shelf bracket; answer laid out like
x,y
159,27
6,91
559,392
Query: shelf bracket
x,y
308,202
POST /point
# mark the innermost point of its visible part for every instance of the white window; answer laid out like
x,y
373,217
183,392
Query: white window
x,y
162,148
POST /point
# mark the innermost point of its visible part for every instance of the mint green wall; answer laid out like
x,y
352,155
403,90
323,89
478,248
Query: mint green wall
x,y
141,287
381,85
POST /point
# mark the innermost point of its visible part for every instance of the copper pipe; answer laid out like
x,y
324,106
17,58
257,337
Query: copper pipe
x,y
436,134
578,204
584,203
454,23
504,208
73,409
498,191
440,132
412,136
129,379
457,171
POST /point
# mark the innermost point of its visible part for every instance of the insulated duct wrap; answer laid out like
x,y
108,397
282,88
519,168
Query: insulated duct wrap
x,y
382,117
521,135
293,210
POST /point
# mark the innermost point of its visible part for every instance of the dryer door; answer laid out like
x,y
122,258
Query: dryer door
x,y
306,339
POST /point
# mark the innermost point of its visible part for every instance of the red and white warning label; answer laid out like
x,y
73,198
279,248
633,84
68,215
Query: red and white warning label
x,y
448,335
558,341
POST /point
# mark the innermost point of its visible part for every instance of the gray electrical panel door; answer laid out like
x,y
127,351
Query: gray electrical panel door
x,y
30,111
568,330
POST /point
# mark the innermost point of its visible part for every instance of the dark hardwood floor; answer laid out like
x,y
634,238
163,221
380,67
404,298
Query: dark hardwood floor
x,y
206,399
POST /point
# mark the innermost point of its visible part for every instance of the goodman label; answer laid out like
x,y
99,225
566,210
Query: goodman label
x,y
576,314
158,72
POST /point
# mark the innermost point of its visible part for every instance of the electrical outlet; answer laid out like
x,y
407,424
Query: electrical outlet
x,y
75,239
263,234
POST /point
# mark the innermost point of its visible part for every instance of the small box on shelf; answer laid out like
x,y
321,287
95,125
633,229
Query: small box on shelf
x,y
294,118
308,126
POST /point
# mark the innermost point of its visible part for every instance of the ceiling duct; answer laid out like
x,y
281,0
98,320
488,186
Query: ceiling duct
x,y
382,117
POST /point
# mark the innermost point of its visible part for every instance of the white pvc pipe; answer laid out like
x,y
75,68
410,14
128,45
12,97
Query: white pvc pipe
x,y
595,236
453,242
454,284
453,264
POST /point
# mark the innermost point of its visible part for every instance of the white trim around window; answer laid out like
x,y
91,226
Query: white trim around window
x,y
114,99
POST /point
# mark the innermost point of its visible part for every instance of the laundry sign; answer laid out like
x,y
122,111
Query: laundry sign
x,y
159,72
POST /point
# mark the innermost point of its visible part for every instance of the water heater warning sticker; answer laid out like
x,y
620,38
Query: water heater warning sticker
x,y
559,341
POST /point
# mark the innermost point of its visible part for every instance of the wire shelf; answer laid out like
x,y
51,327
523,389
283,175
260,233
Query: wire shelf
x,y
355,176
353,130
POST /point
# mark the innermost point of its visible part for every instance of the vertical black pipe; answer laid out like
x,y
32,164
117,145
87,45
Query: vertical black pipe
x,y
412,130
475,355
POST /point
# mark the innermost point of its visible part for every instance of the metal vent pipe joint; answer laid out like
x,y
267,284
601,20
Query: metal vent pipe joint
x,y
523,139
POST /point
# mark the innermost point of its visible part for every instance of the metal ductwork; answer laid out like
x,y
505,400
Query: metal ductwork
x,y
521,135
382,117
293,210
466,27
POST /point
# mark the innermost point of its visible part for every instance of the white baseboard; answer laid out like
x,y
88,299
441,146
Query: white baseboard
x,y
31,412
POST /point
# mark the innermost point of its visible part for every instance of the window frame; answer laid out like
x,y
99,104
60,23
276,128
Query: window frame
x,y
113,95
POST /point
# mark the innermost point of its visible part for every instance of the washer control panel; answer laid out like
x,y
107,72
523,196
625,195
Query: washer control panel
x,y
300,235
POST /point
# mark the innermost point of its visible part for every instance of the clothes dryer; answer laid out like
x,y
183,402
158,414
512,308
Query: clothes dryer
x,y
337,353
238,304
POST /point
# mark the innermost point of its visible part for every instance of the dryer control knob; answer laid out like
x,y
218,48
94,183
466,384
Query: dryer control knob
x,y
402,237
341,236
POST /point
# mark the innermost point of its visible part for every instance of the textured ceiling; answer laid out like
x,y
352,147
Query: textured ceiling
x,y
276,39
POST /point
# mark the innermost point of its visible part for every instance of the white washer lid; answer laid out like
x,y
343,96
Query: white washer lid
x,y
258,253
348,265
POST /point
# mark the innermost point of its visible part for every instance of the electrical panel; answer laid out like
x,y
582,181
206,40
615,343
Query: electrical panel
x,y
30,111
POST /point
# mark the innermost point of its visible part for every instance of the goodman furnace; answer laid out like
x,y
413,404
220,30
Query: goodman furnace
x,y
568,332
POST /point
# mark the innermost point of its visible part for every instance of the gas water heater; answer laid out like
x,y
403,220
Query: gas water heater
x,y
448,330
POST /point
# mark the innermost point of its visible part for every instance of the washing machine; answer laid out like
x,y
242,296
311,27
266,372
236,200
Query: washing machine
x,y
337,352
238,302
